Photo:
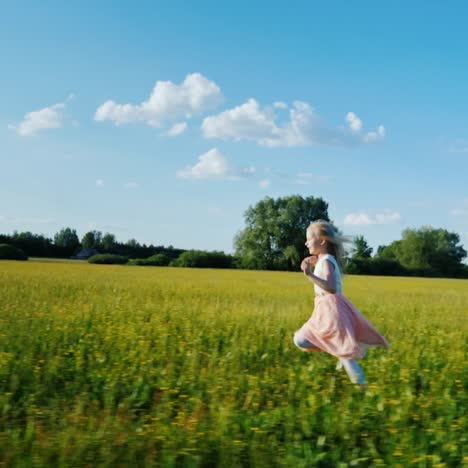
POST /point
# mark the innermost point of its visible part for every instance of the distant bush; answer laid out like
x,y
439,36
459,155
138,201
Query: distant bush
x,y
108,259
158,260
8,252
203,259
357,266
137,262
154,260
387,267
375,266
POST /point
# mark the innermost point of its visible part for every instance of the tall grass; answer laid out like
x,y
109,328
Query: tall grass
x,y
135,366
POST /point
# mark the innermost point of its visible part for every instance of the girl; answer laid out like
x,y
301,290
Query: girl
x,y
336,326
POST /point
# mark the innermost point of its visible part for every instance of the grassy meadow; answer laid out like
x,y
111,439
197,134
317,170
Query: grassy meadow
x,y
141,366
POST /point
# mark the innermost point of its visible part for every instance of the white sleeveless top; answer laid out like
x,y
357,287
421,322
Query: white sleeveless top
x,y
318,271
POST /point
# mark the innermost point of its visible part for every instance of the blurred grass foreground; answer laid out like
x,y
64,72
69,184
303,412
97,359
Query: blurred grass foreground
x,y
125,366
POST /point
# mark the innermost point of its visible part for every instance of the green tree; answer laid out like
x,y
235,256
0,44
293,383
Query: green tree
x,y
427,251
361,248
133,243
67,239
388,252
92,240
274,235
33,245
108,242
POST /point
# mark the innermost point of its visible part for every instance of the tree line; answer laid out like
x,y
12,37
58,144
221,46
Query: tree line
x,y
66,244
272,239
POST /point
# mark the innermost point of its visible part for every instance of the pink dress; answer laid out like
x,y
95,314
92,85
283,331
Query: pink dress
x,y
336,326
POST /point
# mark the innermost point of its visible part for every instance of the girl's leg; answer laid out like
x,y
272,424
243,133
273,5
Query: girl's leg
x,y
302,343
354,370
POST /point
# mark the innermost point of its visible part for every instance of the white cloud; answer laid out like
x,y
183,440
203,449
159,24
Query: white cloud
x,y
265,183
357,219
280,105
168,101
131,185
355,123
246,121
213,165
250,121
176,129
43,119
375,136
363,218
99,183
389,217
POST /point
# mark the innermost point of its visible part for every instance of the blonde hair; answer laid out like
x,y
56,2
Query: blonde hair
x,y
335,240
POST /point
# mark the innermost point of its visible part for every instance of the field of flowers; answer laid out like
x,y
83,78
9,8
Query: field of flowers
x,y
141,366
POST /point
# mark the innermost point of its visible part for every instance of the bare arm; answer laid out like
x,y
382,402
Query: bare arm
x,y
329,283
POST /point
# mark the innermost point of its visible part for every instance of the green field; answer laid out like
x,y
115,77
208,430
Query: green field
x,y
140,366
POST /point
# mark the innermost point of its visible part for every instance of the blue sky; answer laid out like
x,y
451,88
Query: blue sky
x,y
165,121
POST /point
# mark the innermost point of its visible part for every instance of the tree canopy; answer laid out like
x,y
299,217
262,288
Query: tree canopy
x,y
273,238
361,248
108,242
67,241
274,235
92,240
427,251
